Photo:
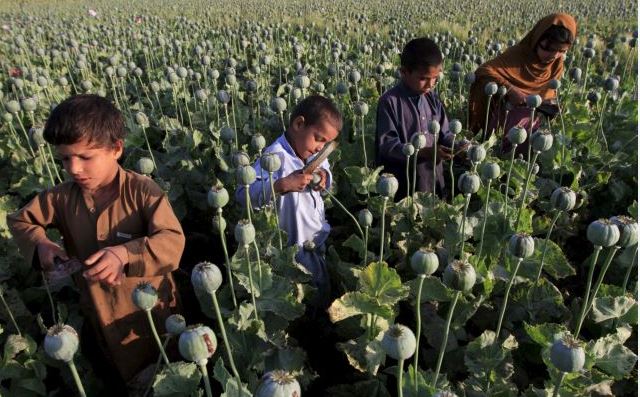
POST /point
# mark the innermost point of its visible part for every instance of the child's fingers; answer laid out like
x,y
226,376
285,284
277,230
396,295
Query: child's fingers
x,y
99,267
112,278
94,258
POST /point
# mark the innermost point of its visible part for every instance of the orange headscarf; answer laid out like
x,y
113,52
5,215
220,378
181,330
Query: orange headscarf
x,y
519,67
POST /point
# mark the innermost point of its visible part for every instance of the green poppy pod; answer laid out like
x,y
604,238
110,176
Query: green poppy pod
x,y
342,88
425,262
12,106
533,101
365,218
302,82
42,82
455,126
29,104
628,229
227,134
517,135
197,344
61,342
554,84
142,120
144,296
521,245
502,91
399,342
459,275
575,74
419,140
223,97
589,53
603,233
433,127
270,162
206,277
594,97
470,78
219,224
469,182
145,166
476,153
278,105
567,355
354,76
611,84
7,117
387,185
258,142
86,85
201,95
563,199
244,232
175,324
490,171
217,197
408,149
245,175
360,109
541,140
278,383
240,159
490,88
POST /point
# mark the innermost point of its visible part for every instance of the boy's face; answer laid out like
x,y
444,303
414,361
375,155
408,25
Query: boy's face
x,y
308,140
421,80
91,167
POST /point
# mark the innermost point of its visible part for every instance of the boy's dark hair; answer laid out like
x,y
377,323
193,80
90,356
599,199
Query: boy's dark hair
x,y
315,108
85,116
420,53
557,34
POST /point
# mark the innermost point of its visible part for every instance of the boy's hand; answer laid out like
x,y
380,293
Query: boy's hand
x,y
294,182
47,251
323,179
107,265
443,153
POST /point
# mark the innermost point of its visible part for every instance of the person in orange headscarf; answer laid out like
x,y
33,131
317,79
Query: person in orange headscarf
x,y
524,69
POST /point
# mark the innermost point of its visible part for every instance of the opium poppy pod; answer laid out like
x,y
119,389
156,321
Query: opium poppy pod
x,y
603,233
628,229
554,84
142,120
145,296
197,344
240,159
278,105
469,182
476,153
424,262
490,171
517,135
419,140
567,355
365,218
541,140
246,175
278,383
490,88
227,134
175,324
521,245
399,342
361,108
244,232
61,342
258,142
408,149
206,277
218,197
219,224
563,199
460,276
455,126
433,127
387,185
270,162
145,165
533,101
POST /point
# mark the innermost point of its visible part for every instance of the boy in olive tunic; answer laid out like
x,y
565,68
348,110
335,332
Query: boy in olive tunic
x,y
119,224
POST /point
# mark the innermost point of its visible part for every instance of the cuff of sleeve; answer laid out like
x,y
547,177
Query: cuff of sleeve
x,y
135,250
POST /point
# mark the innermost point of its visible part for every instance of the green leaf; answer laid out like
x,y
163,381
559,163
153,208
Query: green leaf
x,y
382,283
544,334
545,303
357,303
184,380
16,344
280,299
633,209
611,307
411,378
34,385
483,355
555,262
363,355
611,356
362,179
432,290
355,243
